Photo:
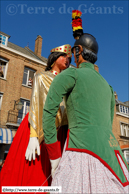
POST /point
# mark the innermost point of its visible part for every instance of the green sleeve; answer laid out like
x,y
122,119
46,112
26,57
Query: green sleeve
x,y
62,84
112,104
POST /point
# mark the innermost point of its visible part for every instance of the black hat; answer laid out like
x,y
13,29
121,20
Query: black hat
x,y
88,41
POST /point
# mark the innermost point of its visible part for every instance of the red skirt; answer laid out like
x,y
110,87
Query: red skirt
x,y
17,171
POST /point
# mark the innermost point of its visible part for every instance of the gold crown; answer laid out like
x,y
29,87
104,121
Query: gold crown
x,y
64,48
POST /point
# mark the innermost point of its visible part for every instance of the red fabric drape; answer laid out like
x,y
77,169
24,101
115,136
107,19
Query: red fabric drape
x,y
17,171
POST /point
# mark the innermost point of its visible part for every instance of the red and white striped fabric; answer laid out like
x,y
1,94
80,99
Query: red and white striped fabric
x,y
82,173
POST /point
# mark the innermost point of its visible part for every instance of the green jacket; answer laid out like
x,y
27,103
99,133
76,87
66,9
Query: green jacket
x,y
90,108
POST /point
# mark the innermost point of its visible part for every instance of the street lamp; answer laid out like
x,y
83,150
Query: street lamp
x,y
18,104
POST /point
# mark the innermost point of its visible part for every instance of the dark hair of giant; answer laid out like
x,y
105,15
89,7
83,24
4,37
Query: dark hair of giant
x,y
52,58
88,55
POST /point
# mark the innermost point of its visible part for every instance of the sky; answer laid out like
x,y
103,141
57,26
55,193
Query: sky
x,y
107,21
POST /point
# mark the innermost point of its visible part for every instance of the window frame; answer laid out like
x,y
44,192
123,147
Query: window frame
x,y
124,109
6,67
2,38
126,152
124,127
24,109
1,98
28,73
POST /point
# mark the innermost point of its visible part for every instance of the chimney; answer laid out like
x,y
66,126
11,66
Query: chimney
x,y
38,45
96,68
116,96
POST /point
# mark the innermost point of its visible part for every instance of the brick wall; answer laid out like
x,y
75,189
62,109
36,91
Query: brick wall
x,y
12,86
123,142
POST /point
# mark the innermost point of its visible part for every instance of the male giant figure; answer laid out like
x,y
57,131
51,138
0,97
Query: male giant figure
x,y
92,161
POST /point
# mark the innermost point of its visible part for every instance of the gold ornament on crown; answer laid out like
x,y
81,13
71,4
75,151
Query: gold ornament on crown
x,y
64,48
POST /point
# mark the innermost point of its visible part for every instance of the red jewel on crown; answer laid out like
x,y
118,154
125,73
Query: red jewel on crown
x,y
65,46
65,50
60,48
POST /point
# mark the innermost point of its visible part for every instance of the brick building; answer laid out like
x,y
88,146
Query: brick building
x,y
17,66
121,125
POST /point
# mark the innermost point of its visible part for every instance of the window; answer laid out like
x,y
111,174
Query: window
x,y
3,67
28,76
24,110
1,96
3,39
120,108
126,155
124,129
124,109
